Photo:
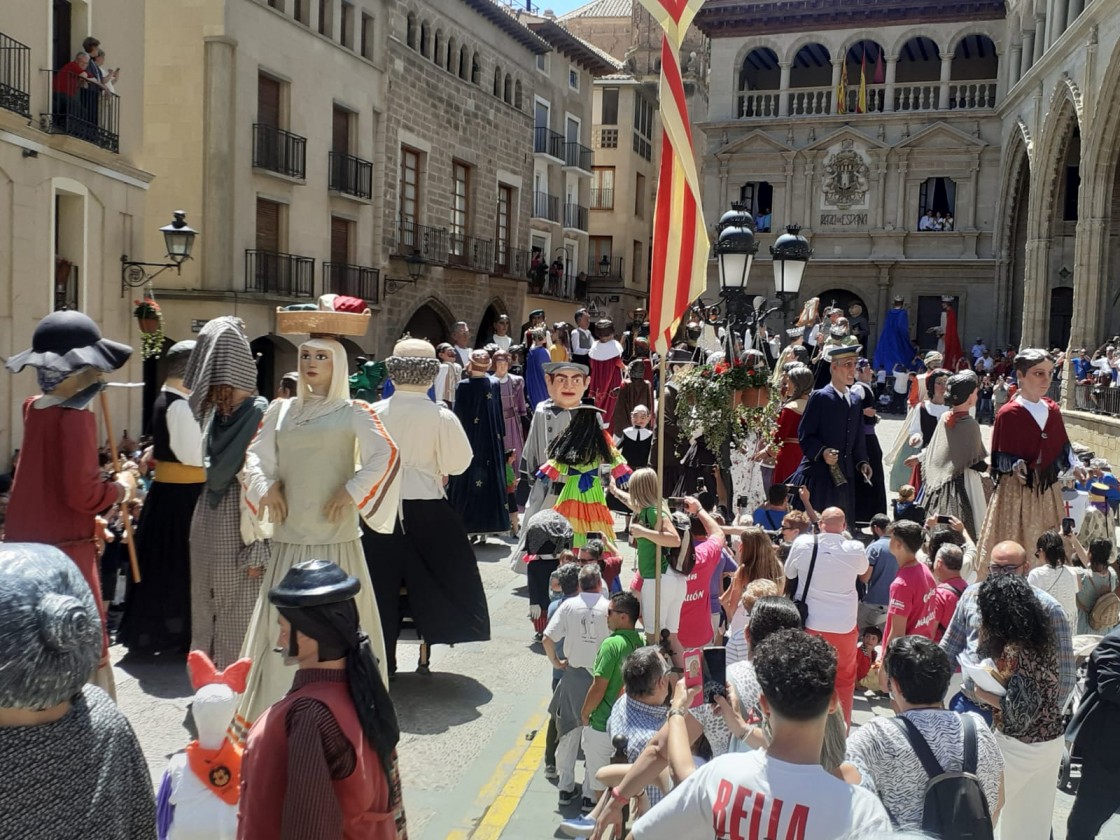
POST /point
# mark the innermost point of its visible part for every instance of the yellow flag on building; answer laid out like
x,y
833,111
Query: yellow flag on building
x,y
842,90
861,99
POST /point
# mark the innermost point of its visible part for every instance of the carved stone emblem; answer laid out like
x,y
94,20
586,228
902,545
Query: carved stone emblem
x,y
845,183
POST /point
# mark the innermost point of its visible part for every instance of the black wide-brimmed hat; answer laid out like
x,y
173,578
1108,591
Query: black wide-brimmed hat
x,y
68,340
312,583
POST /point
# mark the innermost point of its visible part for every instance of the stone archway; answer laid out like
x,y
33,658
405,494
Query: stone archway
x,y
275,356
1017,195
485,329
431,320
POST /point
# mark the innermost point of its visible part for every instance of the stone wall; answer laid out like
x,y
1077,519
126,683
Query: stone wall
x,y
1100,434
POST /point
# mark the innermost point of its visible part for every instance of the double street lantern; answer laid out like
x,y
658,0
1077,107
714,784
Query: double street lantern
x,y
791,253
735,248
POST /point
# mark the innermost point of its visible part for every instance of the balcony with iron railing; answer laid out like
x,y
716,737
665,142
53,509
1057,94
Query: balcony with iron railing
x,y
280,151
548,142
470,252
350,175
611,269
578,156
358,281
512,262
429,243
546,206
575,217
602,198
277,273
15,76
81,108
975,95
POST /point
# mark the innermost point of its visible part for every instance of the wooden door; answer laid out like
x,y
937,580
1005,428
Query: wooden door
x,y
268,225
340,131
268,101
340,241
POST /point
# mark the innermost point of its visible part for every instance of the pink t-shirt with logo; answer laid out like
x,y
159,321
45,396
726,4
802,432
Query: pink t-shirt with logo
x,y
912,595
696,613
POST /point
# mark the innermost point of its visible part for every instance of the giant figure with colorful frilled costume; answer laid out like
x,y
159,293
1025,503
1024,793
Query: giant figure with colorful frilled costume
x,y
574,462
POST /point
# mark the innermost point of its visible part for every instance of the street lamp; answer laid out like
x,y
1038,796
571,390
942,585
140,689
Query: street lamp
x,y
414,263
735,249
791,253
178,239
604,266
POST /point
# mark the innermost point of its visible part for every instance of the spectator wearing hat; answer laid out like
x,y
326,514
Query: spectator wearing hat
x,y
59,490
322,762
72,764
157,613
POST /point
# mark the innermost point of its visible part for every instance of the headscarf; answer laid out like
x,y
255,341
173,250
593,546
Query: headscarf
x,y
308,406
221,357
50,640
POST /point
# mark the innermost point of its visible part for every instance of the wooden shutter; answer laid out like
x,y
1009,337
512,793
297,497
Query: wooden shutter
x,y
340,241
340,131
268,101
268,225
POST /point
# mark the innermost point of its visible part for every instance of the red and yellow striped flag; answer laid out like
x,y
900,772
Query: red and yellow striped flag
x,y
679,260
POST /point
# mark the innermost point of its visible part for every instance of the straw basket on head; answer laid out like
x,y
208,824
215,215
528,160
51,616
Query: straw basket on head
x,y
321,322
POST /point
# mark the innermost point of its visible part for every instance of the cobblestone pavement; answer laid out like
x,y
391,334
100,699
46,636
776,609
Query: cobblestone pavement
x,y
470,761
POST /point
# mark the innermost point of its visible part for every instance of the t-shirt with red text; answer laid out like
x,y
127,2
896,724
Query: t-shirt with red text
x,y
912,595
695,629
755,797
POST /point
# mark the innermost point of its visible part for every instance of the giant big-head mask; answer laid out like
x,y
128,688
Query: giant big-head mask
x,y
567,383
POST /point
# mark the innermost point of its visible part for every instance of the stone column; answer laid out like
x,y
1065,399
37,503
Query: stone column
x,y
1028,52
219,163
783,89
1014,66
1076,7
946,72
888,88
790,158
837,63
1036,300
900,198
1059,20
1040,36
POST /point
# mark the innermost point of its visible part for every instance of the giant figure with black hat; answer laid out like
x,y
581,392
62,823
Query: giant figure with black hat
x,y
59,488
832,438
427,550
323,759
157,614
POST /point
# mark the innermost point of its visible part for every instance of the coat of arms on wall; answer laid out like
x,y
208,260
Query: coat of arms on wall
x,y
845,183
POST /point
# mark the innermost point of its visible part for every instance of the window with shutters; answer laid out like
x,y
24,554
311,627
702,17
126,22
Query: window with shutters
x,y
268,225
460,200
505,223
340,130
409,187
341,230
602,188
269,94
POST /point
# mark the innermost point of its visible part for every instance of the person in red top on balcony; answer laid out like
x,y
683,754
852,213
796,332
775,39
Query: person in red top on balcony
x,y
59,488
322,763
70,79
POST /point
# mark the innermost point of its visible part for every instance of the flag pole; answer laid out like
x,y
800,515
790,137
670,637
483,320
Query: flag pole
x,y
661,388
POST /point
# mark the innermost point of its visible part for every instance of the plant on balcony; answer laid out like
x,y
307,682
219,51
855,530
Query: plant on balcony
x,y
150,318
726,402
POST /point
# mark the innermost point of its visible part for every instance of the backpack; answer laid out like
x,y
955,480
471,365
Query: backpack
x,y
1106,612
955,807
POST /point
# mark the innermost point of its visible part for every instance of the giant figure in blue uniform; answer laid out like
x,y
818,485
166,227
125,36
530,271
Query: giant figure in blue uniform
x,y
832,432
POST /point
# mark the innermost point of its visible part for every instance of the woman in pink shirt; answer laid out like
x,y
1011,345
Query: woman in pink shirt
x,y
702,551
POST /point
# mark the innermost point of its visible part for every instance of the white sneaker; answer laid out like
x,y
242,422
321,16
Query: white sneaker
x,y
578,827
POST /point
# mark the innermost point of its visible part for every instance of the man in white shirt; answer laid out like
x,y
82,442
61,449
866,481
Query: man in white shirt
x,y
581,624
978,349
461,338
928,222
450,372
581,337
832,599
783,791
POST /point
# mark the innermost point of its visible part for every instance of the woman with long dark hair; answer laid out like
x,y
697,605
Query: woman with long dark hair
x,y
1016,634
1052,575
757,561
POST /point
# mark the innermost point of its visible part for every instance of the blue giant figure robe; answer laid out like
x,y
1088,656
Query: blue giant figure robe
x,y
479,493
535,385
894,347
831,421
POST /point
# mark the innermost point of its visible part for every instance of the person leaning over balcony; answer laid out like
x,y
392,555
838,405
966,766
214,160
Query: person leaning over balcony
x,y
69,79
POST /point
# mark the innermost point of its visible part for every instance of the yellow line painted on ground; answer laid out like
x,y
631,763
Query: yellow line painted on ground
x,y
506,785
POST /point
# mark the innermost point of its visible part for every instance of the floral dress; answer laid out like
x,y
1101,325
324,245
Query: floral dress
x,y
582,500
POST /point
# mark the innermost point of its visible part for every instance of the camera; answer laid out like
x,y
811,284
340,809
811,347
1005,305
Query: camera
x,y
775,536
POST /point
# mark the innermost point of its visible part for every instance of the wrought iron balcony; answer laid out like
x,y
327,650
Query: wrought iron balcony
x,y
470,252
548,142
575,217
358,281
578,156
610,270
546,206
427,242
512,262
82,109
351,175
15,76
279,151
276,273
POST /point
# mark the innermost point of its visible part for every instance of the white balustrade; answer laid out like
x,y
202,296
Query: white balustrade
x,y
972,95
758,104
919,96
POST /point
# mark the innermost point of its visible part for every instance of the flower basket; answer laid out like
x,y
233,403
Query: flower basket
x,y
149,325
726,402
321,322
150,318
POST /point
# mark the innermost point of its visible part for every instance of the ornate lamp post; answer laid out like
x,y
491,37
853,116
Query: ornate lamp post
x,y
178,239
735,249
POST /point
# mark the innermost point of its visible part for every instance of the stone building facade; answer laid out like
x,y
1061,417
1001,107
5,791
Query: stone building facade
x,y
458,140
791,132
265,121
73,189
